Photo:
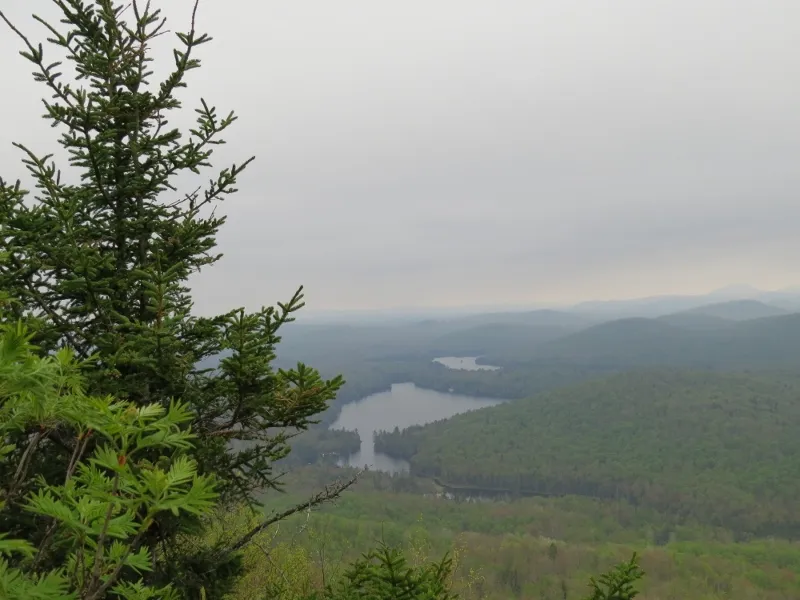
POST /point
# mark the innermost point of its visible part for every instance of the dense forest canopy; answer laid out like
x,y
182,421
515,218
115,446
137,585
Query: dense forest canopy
x,y
721,448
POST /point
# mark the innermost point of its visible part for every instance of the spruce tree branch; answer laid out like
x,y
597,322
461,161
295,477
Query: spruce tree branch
x,y
44,306
176,78
46,181
190,197
213,192
17,31
37,57
223,433
156,32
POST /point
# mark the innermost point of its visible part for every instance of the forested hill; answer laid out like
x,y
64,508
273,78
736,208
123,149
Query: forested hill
x,y
719,448
688,342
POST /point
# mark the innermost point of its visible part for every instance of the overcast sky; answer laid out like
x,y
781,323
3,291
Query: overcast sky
x,y
467,152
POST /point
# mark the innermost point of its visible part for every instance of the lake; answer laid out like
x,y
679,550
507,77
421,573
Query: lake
x,y
463,363
402,406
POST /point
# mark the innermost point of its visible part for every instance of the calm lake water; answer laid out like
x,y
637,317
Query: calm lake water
x,y
463,363
404,405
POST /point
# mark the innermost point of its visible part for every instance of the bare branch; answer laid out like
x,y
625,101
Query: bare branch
x,y
330,493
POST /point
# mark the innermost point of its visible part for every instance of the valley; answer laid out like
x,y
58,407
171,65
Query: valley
x,y
389,339
672,434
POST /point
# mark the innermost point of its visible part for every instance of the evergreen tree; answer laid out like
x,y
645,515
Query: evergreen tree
x,y
617,583
384,574
97,258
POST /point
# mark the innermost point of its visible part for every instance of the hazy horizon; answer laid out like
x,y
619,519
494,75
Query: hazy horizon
x,y
730,292
473,154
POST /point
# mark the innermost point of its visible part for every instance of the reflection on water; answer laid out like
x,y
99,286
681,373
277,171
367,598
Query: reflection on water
x,y
404,405
463,363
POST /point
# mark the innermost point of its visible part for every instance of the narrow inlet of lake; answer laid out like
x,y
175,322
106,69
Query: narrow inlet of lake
x,y
402,406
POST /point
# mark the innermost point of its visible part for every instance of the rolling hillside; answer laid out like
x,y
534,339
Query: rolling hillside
x,y
638,342
717,447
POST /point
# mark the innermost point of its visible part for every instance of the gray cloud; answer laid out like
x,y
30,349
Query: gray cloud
x,y
466,152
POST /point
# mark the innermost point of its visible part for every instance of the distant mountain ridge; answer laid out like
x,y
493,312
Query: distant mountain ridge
x,y
593,310
639,341
726,334
739,310
657,306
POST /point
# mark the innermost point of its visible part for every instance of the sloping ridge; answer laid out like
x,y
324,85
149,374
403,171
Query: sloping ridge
x,y
624,341
738,310
770,341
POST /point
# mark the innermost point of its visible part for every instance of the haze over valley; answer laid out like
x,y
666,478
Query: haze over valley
x,y
464,300
681,409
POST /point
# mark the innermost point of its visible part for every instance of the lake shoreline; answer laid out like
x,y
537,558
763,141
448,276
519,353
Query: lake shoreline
x,y
403,405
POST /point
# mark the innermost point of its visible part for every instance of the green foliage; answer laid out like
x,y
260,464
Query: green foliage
x,y
504,545
301,559
93,523
268,567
